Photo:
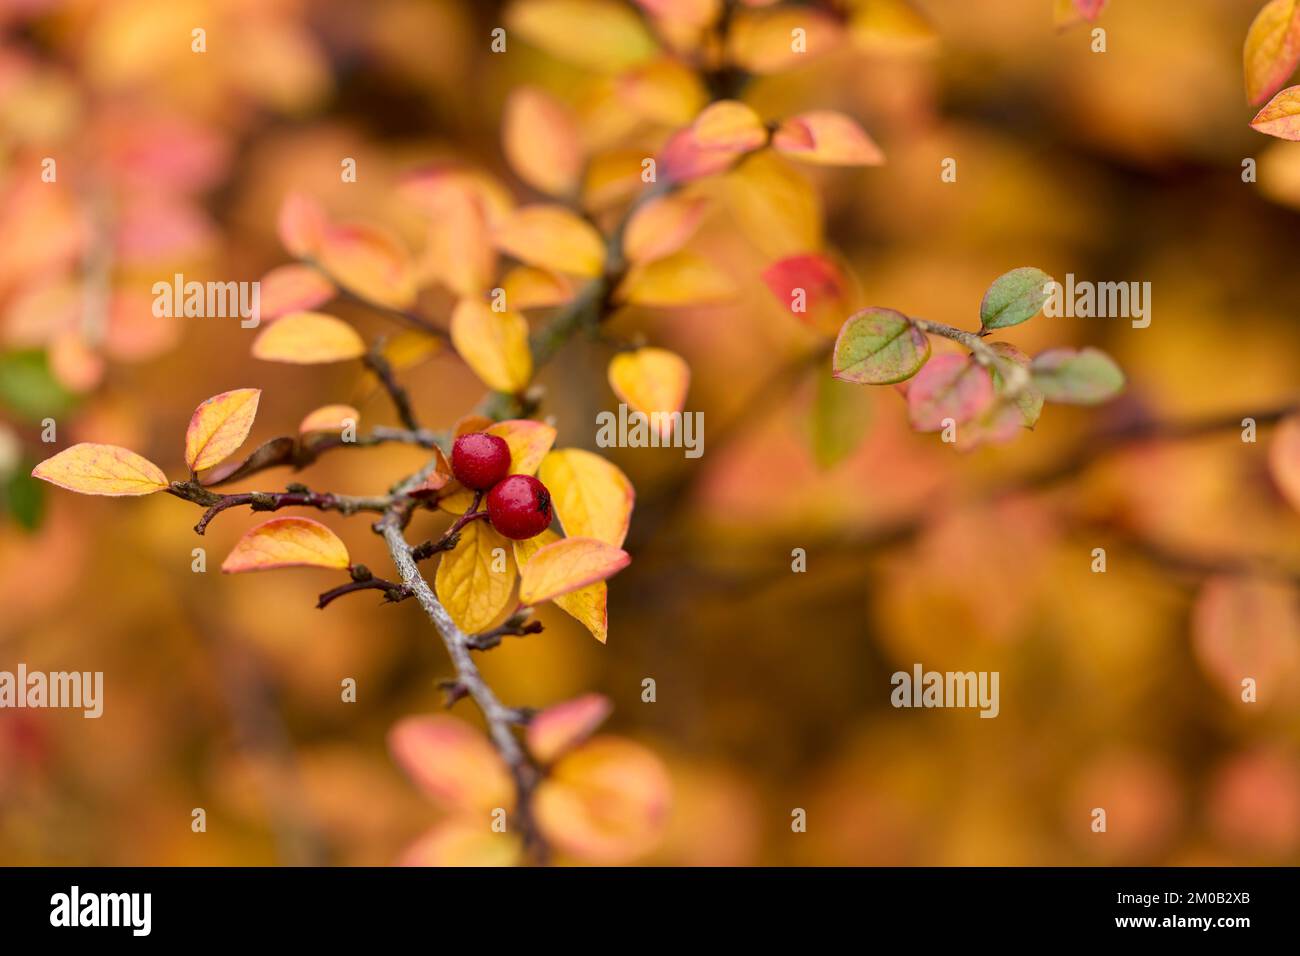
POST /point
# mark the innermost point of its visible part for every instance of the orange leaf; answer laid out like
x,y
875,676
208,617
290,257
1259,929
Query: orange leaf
x,y
1281,117
770,41
591,496
463,842
587,606
219,426
651,380
293,288
452,763
561,727
527,287
827,138
301,224
459,251
1247,627
493,344
370,262
664,91
552,237
662,226
329,418
567,565
1284,459
606,802
308,338
541,141
1272,49
91,469
286,543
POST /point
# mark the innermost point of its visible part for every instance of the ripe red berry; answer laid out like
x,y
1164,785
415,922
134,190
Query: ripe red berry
x,y
519,507
480,460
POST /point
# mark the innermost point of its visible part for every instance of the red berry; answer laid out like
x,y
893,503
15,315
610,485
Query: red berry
x,y
519,507
480,460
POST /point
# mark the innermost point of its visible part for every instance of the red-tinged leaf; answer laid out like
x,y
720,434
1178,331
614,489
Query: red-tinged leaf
x,y
561,727
827,138
1247,627
459,252
1284,459
588,606
695,13
452,763
949,387
811,286
566,566
286,543
1281,117
219,426
542,142
92,469
879,347
1085,377
293,288
464,842
301,224
1272,49
1029,400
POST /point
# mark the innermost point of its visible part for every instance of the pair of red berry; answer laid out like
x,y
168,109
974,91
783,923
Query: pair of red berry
x,y
519,506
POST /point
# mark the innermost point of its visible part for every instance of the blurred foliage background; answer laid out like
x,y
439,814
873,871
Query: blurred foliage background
x,y
773,687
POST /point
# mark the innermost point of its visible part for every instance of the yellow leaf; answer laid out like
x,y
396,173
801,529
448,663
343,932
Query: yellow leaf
x,y
603,35
453,763
541,141
292,288
567,565
493,344
662,226
587,606
651,380
370,262
301,224
552,237
308,338
410,347
774,206
219,426
91,469
464,842
286,543
890,25
527,287
683,278
1272,49
475,594
827,138
766,41
606,802
592,497
561,727
329,418
664,91
729,125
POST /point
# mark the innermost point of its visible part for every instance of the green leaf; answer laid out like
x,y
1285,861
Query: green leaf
x,y
23,498
1030,399
1085,377
1014,298
29,389
879,347
840,415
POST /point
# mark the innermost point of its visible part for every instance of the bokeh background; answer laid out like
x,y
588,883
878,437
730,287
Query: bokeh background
x,y
772,687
